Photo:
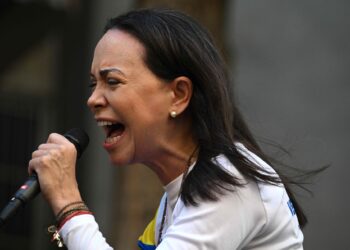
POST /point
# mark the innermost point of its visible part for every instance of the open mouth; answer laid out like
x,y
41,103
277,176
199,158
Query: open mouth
x,y
113,131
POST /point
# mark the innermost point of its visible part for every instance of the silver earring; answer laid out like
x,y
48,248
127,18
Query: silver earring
x,y
173,114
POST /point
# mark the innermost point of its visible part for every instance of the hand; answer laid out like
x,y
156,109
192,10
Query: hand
x,y
54,162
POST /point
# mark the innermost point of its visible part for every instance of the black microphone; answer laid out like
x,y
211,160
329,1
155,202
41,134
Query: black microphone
x,y
31,187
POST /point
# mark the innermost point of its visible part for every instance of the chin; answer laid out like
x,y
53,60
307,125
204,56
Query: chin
x,y
119,161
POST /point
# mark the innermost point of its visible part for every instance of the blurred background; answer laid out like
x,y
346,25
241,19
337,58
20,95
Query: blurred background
x,y
288,59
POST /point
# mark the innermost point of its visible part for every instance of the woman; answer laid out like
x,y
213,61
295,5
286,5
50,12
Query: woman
x,y
161,93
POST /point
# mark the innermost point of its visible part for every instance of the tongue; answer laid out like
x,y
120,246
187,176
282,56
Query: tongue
x,y
116,132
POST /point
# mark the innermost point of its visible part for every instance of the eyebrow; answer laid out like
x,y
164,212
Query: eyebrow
x,y
104,72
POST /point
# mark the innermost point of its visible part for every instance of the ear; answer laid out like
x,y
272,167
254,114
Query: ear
x,y
181,94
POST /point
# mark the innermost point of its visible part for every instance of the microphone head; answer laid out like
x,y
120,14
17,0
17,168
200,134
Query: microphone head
x,y
79,138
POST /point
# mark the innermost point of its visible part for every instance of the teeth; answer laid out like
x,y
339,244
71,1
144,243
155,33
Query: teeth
x,y
112,139
104,123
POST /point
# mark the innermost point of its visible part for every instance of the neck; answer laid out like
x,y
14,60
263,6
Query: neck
x,y
173,162
171,156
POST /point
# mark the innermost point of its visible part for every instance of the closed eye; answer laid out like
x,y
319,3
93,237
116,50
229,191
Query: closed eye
x,y
92,84
113,81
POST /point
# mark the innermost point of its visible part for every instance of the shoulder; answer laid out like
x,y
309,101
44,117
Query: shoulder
x,y
252,212
269,196
237,212
212,223
279,215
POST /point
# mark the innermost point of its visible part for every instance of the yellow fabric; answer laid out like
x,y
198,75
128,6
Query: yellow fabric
x,y
148,236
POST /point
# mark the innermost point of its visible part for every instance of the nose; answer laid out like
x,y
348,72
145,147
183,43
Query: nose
x,y
96,100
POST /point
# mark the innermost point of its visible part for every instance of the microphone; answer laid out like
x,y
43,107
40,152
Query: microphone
x,y
31,187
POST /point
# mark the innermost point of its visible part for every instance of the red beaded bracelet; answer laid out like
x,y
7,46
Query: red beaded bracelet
x,y
81,212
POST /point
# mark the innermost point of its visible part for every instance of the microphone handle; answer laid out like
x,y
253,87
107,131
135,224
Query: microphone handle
x,y
25,193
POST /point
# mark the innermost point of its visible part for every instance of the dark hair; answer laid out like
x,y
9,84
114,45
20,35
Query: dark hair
x,y
176,45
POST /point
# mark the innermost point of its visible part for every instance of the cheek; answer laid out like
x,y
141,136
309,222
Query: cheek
x,y
120,105
113,97
144,110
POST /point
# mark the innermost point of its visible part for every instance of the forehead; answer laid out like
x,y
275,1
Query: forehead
x,y
117,46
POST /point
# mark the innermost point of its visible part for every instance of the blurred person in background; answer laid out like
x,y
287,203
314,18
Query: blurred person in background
x,y
161,93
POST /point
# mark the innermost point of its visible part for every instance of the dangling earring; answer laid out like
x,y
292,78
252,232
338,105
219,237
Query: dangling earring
x,y
173,114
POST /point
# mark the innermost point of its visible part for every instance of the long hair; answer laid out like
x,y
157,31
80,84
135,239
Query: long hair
x,y
176,45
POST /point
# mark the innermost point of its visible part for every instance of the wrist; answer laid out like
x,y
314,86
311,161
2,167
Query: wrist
x,y
66,213
59,205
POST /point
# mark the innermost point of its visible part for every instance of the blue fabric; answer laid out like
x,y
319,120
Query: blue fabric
x,y
144,246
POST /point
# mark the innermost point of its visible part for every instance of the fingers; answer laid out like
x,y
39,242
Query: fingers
x,y
55,138
41,158
58,139
32,165
55,150
44,149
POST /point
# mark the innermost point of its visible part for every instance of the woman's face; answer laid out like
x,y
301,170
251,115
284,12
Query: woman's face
x,y
128,100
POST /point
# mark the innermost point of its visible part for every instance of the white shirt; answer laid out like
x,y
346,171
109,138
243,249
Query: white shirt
x,y
255,216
